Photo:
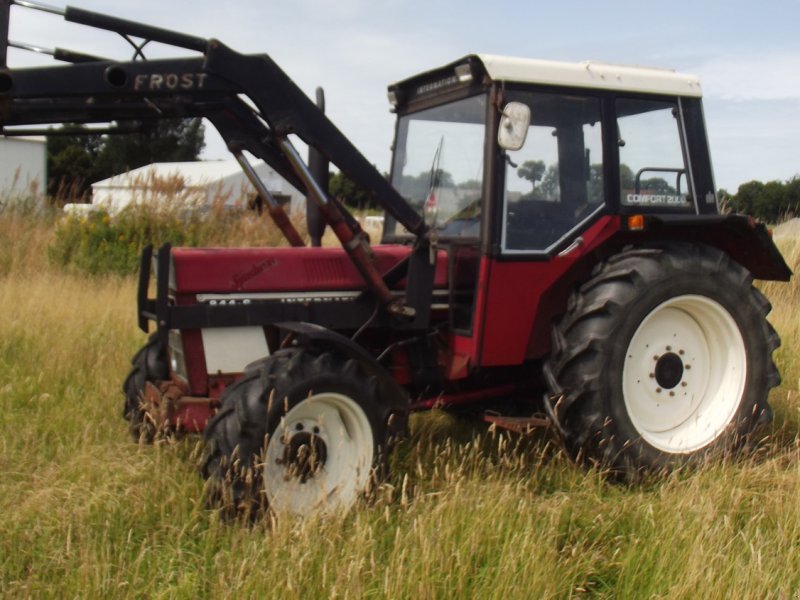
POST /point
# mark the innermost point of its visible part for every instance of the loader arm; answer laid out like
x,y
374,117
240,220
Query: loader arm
x,y
253,104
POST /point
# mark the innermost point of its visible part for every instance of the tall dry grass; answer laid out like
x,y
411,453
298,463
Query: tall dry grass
x,y
109,239
468,513
785,315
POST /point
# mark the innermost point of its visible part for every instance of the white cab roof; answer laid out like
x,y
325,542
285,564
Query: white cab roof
x,y
590,74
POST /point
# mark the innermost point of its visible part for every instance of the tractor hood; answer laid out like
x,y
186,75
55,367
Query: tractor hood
x,y
237,270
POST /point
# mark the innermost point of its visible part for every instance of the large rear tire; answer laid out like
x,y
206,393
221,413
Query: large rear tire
x,y
663,356
302,432
149,364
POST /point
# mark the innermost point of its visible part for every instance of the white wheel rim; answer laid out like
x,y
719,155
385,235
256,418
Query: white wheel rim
x,y
343,433
684,374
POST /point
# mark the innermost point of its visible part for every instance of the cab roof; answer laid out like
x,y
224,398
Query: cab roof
x,y
586,74
591,74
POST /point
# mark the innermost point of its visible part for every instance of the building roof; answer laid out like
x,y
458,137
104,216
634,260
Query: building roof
x,y
194,174
36,139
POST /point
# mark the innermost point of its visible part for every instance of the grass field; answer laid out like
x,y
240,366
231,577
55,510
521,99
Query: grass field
x,y
468,513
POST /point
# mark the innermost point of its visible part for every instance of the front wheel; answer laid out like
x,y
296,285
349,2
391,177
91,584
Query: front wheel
x,y
664,355
148,365
304,432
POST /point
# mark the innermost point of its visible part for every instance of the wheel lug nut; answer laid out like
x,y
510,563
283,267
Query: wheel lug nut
x,y
652,375
658,390
299,427
655,358
684,384
669,348
672,393
687,366
316,429
681,352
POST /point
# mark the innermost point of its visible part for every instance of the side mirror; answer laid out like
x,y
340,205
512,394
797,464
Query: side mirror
x,y
514,126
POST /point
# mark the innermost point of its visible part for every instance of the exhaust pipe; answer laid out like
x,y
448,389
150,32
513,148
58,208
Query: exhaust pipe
x,y
318,165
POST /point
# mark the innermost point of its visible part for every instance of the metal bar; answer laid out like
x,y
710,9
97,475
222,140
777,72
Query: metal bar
x,y
275,210
139,79
61,54
162,292
5,13
462,398
236,121
523,425
39,6
70,56
637,180
318,165
140,30
31,48
143,304
316,192
53,131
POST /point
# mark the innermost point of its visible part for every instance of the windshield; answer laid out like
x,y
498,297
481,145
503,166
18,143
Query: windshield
x,y
438,166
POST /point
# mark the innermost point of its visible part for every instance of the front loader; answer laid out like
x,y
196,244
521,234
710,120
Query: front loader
x,y
553,249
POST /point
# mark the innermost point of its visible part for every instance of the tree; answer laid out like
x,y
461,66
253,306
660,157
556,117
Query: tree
x,y
348,193
470,184
596,185
626,178
74,162
656,185
770,202
550,188
746,198
532,170
166,140
772,205
417,187
793,195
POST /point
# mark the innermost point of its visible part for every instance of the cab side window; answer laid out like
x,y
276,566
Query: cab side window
x,y
652,167
555,181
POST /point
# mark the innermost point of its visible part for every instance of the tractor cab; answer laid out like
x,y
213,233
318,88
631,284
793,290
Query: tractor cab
x,y
523,154
521,168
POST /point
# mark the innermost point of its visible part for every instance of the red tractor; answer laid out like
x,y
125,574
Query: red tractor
x,y
553,248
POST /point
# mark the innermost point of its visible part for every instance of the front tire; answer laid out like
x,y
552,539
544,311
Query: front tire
x,y
301,433
149,364
663,356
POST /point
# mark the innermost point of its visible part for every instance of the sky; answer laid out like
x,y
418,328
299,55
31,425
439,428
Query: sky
x,y
747,55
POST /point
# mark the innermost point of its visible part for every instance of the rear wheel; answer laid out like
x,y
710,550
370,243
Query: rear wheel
x,y
149,364
664,355
301,433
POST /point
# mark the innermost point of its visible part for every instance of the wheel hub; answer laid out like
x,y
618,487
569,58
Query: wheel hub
x,y
320,456
304,454
669,370
684,373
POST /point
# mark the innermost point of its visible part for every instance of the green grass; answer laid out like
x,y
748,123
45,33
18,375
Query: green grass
x,y
468,512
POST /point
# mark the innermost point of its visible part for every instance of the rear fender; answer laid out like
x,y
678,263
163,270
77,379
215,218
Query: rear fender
x,y
745,240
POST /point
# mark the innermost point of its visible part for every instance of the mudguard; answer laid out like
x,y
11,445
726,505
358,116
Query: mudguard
x,y
743,238
309,334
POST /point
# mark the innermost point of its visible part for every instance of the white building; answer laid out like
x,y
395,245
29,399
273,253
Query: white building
x,y
23,167
199,182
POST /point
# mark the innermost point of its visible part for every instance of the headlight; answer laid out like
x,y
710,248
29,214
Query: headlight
x,y
171,280
177,361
